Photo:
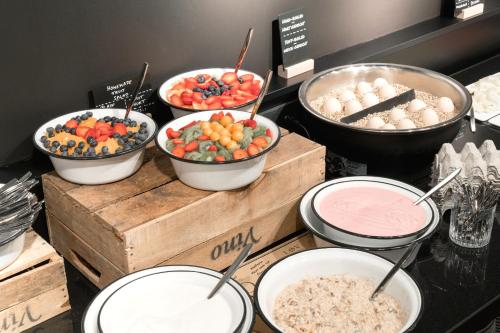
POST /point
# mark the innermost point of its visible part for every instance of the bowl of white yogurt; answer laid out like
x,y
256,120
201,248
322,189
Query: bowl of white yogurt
x,y
174,299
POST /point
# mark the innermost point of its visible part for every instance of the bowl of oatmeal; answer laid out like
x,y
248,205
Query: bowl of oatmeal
x,y
416,127
328,290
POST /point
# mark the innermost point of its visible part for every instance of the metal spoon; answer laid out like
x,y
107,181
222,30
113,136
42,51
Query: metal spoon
x,y
442,183
263,92
244,50
393,271
230,271
137,88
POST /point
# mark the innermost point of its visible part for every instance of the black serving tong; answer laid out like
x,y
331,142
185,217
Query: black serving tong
x,y
388,104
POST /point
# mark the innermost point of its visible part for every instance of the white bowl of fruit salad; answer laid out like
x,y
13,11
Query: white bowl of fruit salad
x,y
96,146
218,150
210,89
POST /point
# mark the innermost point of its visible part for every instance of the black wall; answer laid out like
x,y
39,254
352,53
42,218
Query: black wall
x,y
54,51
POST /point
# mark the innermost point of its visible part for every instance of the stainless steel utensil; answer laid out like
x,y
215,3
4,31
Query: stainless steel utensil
x,y
137,89
393,271
230,271
263,92
442,183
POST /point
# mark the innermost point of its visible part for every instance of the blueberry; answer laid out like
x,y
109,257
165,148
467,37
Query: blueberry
x,y
78,119
121,141
78,150
220,83
118,150
53,149
126,147
138,142
46,144
133,123
217,91
200,78
63,148
105,150
91,154
67,129
211,88
84,116
71,143
116,135
113,118
50,130
207,93
55,143
143,130
125,138
107,119
89,113
196,89
119,121
64,153
91,150
43,138
203,96
81,144
142,136
90,139
73,131
93,143
74,154
58,128
222,89
144,125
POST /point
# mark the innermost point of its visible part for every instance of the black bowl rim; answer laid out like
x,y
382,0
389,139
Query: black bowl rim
x,y
263,274
14,236
94,158
317,76
416,233
167,103
84,316
263,152
238,328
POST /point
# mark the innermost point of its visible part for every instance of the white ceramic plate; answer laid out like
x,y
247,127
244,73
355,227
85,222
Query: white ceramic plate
x,y
218,176
214,72
90,317
312,223
345,236
334,261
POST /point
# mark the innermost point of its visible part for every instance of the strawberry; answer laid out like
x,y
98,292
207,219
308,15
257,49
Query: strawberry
x,y
247,77
103,128
255,91
268,133
194,122
246,86
179,151
200,106
260,141
217,116
197,97
120,128
203,85
252,149
178,141
176,100
239,99
171,134
187,98
190,83
212,99
229,77
203,138
91,132
212,148
235,85
179,86
215,105
219,158
250,123
192,146
229,114
238,154
102,138
72,123
245,94
81,131
224,97
229,103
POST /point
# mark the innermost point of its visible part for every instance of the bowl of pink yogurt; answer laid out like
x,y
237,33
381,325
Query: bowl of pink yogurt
x,y
373,211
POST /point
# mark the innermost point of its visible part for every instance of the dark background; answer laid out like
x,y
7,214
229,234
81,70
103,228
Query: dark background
x,y
54,51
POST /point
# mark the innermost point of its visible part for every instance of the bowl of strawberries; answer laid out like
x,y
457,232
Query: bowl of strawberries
x,y
96,146
218,150
210,89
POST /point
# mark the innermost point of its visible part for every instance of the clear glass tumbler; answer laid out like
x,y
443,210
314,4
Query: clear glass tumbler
x,y
470,228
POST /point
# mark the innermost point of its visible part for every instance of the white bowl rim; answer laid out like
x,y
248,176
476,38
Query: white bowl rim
x,y
263,152
362,248
263,274
151,136
381,180
167,103
237,329
192,267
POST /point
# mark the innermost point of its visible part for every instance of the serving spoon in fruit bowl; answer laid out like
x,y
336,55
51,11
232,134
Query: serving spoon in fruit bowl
x,y
137,89
244,50
263,92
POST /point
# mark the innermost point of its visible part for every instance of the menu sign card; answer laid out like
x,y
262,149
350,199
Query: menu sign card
x,y
118,94
293,35
463,8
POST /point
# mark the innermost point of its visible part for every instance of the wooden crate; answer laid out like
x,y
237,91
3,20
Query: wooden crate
x,y
249,273
151,218
32,289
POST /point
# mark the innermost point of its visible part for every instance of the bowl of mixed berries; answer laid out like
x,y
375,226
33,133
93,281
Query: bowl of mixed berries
x,y
210,89
218,150
96,146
